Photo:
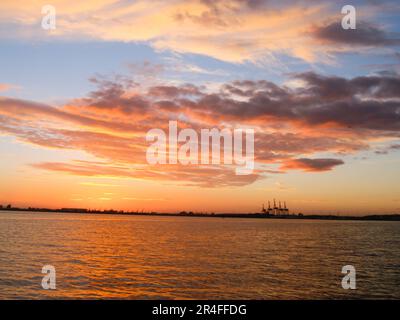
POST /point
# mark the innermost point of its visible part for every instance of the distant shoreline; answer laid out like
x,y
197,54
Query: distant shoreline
x,y
377,217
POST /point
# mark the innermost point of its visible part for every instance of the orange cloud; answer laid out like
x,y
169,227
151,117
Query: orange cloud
x,y
235,31
292,125
311,165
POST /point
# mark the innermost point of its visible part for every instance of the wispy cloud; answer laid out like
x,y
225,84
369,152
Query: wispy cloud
x,y
7,87
235,31
144,199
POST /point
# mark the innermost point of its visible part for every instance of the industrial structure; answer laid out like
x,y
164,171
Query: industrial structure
x,y
276,210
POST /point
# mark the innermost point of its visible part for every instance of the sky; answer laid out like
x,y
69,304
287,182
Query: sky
x,y
77,101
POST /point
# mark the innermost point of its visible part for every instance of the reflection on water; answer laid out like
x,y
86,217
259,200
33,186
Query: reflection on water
x,y
136,257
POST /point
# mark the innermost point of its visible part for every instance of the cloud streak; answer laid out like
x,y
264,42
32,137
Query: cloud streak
x,y
311,165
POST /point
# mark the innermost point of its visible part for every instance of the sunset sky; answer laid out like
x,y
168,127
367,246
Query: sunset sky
x,y
76,103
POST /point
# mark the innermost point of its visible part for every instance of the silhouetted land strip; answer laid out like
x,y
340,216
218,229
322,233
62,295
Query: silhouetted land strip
x,y
376,217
